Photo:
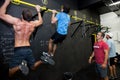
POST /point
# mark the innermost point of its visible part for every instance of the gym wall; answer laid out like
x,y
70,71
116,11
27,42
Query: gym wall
x,y
71,56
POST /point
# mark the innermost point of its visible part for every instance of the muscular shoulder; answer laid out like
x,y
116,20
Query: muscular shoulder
x,y
32,23
17,21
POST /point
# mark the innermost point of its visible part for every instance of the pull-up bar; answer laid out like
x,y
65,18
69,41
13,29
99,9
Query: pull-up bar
x,y
18,2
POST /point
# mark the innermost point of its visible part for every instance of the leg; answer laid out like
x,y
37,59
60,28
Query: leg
x,y
50,46
54,49
55,39
15,62
106,78
12,71
36,64
112,68
59,39
102,72
114,71
111,71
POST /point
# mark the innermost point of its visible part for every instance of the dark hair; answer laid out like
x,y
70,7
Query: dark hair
x,y
66,9
27,15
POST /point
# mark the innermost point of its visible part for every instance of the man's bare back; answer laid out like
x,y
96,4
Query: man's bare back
x,y
23,30
23,27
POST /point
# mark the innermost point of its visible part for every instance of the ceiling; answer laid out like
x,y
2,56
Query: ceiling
x,y
102,6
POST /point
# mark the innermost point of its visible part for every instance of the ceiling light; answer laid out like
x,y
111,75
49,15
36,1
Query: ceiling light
x,y
115,3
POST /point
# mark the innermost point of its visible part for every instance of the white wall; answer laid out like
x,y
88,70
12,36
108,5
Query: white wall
x,y
113,21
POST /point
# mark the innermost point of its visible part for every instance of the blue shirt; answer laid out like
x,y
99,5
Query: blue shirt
x,y
63,22
112,52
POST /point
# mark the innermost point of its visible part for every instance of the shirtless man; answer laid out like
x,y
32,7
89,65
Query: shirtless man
x,y
23,28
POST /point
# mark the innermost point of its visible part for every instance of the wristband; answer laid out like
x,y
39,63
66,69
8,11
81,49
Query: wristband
x,y
90,57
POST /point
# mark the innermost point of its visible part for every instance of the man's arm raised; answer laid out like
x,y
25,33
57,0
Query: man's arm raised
x,y
6,17
40,20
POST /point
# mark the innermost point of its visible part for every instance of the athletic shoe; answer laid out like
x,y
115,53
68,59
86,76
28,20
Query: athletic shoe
x,y
46,59
24,68
45,54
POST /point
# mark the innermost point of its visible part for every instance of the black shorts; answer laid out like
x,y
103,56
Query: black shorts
x,y
58,38
112,62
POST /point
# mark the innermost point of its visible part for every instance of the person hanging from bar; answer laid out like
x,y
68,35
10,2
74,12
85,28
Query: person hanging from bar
x,y
63,20
23,28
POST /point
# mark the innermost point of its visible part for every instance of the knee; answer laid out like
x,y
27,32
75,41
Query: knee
x,y
50,41
10,73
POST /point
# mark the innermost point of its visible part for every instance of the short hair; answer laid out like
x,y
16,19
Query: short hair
x,y
27,14
66,9
102,34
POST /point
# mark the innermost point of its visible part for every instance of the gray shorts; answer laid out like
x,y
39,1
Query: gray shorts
x,y
102,72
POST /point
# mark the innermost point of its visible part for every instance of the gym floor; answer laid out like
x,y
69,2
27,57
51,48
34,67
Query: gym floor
x,y
83,74
89,73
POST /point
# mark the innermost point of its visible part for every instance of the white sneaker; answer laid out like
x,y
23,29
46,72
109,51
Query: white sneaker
x,y
46,54
46,59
